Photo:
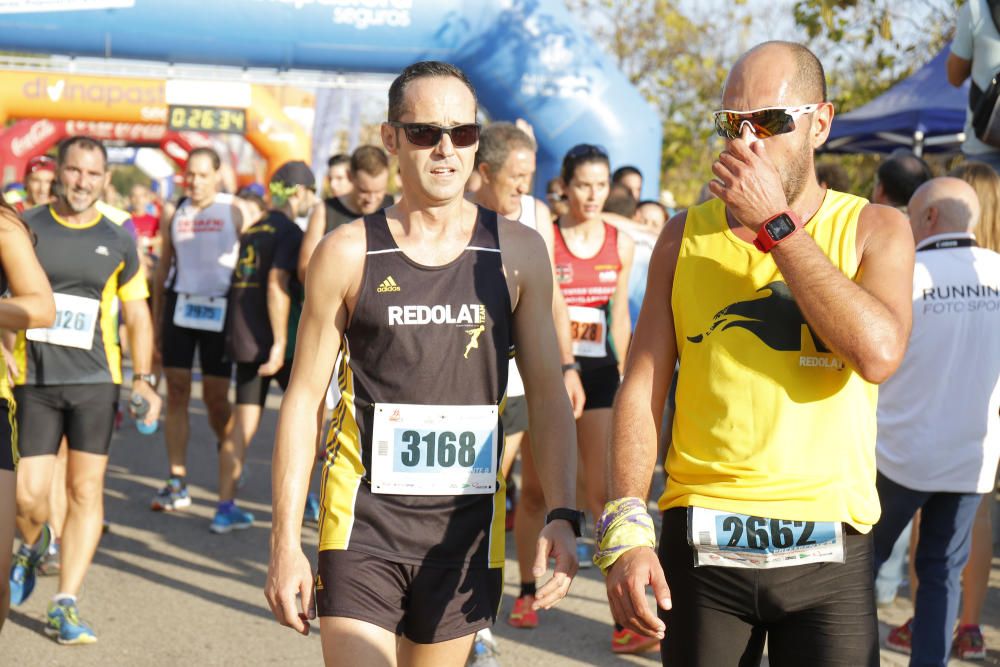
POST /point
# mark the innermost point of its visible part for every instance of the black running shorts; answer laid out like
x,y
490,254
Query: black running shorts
x,y
251,388
818,614
177,344
8,436
84,413
515,415
422,603
600,386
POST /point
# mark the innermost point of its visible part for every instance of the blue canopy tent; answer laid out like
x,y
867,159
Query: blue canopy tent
x,y
923,112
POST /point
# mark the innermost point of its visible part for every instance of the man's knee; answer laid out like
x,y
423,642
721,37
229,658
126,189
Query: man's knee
x,y
178,388
85,490
32,494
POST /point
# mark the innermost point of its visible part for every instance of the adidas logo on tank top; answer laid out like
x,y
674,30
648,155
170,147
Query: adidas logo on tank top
x,y
388,285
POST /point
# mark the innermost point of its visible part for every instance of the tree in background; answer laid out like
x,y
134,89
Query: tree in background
x,y
677,54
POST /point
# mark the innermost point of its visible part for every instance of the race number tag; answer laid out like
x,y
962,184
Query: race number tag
x,y
76,319
206,313
589,331
434,450
727,539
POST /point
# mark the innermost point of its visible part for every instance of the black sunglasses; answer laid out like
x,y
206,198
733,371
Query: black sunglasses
x,y
426,135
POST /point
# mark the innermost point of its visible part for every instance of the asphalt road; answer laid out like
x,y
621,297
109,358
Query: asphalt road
x,y
165,591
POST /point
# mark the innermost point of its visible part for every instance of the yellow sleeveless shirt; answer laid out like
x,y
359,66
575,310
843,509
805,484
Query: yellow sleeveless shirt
x,y
768,421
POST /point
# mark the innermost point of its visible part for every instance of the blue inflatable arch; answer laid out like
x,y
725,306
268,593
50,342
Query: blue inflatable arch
x,y
527,58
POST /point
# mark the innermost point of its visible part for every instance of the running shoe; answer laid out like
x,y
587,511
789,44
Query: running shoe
x,y
231,518
50,564
484,653
312,508
584,555
627,641
901,638
523,616
173,496
22,570
969,644
65,625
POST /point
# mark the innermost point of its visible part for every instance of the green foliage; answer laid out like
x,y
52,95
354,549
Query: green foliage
x,y
678,53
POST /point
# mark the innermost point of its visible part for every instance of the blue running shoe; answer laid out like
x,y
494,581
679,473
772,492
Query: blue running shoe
x,y
230,518
22,570
312,508
65,625
173,496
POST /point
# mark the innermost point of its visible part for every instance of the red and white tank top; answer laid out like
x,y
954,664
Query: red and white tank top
x,y
588,285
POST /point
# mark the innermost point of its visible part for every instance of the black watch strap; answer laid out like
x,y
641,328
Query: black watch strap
x,y
575,366
575,518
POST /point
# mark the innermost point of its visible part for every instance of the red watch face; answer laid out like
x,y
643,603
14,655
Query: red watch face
x,y
780,227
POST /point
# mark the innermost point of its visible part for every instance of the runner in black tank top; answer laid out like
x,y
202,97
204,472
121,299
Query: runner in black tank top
x,y
445,344
424,301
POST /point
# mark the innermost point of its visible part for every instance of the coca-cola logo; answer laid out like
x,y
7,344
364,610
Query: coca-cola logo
x,y
28,143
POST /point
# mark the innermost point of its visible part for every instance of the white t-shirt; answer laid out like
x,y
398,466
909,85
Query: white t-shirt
x,y
938,423
206,245
977,39
528,218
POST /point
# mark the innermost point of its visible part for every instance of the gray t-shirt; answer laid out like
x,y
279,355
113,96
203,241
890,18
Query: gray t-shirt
x,y
977,39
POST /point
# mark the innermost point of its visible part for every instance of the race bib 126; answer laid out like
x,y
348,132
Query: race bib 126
x,y
434,450
76,320
206,313
728,539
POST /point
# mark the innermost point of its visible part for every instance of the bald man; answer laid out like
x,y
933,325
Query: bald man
x,y
786,303
939,441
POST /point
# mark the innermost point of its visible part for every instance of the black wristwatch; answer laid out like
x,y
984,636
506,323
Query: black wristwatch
x,y
575,366
575,518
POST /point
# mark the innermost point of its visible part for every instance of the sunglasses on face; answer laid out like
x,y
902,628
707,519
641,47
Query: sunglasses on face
x,y
764,123
425,135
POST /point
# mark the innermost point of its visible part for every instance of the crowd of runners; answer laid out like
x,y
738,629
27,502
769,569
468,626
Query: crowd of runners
x,y
434,343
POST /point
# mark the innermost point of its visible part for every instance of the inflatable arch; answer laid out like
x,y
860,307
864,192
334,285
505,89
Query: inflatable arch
x,y
139,103
527,58
27,138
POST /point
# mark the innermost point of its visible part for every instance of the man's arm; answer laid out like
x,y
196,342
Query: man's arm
x,y
560,315
279,305
553,435
959,69
312,237
866,323
621,325
332,282
635,425
160,279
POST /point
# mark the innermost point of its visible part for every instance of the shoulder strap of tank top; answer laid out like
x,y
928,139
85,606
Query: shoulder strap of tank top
x,y
486,235
378,237
611,236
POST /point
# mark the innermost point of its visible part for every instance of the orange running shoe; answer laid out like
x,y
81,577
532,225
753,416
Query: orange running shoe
x,y
523,616
627,641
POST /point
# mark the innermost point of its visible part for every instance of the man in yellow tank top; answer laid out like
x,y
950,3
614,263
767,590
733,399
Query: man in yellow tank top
x,y
785,304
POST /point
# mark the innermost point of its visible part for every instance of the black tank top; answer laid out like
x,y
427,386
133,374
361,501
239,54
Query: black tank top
x,y
421,335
